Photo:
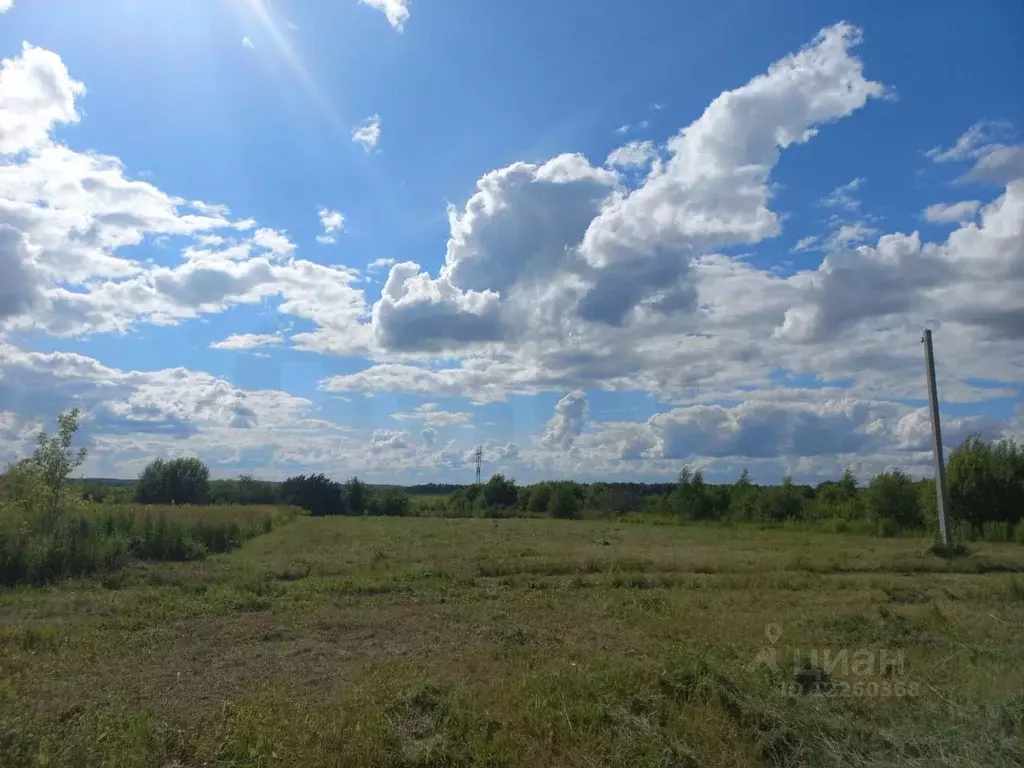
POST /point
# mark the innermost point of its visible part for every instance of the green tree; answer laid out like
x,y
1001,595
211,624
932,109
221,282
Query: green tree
x,y
693,497
540,498
894,497
986,482
39,483
564,502
848,485
355,496
317,494
499,491
178,481
743,497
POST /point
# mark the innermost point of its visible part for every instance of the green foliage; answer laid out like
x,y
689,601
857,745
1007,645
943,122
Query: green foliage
x,y
986,482
244,489
781,502
894,498
44,537
391,503
175,481
499,491
317,494
695,499
83,544
540,498
355,496
566,501
54,459
37,485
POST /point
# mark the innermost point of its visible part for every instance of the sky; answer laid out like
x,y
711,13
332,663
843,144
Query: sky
x,y
601,240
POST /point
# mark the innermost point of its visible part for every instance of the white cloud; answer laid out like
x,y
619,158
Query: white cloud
x,y
36,92
6,5
379,264
635,154
247,43
431,416
846,235
806,243
975,278
974,142
367,132
995,161
332,223
249,341
396,11
952,213
275,241
843,196
568,422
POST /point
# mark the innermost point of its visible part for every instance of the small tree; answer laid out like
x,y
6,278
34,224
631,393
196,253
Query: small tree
x,y
180,481
355,496
986,482
393,503
540,498
895,497
315,493
38,483
564,502
499,491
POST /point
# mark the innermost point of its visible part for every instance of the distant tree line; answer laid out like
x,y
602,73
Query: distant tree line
x,y
986,485
986,489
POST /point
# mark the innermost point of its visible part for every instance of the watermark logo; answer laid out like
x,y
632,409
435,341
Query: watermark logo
x,y
862,672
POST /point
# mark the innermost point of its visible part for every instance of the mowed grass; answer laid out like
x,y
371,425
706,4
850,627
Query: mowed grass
x,y
434,642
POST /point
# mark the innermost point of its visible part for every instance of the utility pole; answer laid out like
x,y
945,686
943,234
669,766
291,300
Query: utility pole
x,y
479,456
940,464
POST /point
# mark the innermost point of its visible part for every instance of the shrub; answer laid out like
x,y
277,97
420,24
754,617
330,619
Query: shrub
x,y
540,498
564,502
37,485
894,498
986,482
355,497
178,481
317,494
499,491
391,503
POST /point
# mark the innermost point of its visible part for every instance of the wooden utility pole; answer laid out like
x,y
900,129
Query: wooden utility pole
x,y
940,464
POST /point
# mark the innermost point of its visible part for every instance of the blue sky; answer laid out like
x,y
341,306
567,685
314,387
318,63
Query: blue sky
x,y
602,240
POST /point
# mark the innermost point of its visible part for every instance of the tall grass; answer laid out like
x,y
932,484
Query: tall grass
x,y
93,540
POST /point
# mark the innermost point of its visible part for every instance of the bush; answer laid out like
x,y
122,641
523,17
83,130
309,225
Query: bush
x,y
391,503
986,482
499,491
780,502
178,481
564,502
895,500
540,498
244,489
355,497
317,494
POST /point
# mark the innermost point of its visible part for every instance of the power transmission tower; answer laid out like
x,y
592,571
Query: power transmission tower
x,y
479,455
940,465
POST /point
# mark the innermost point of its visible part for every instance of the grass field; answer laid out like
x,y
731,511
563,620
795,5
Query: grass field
x,y
434,642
